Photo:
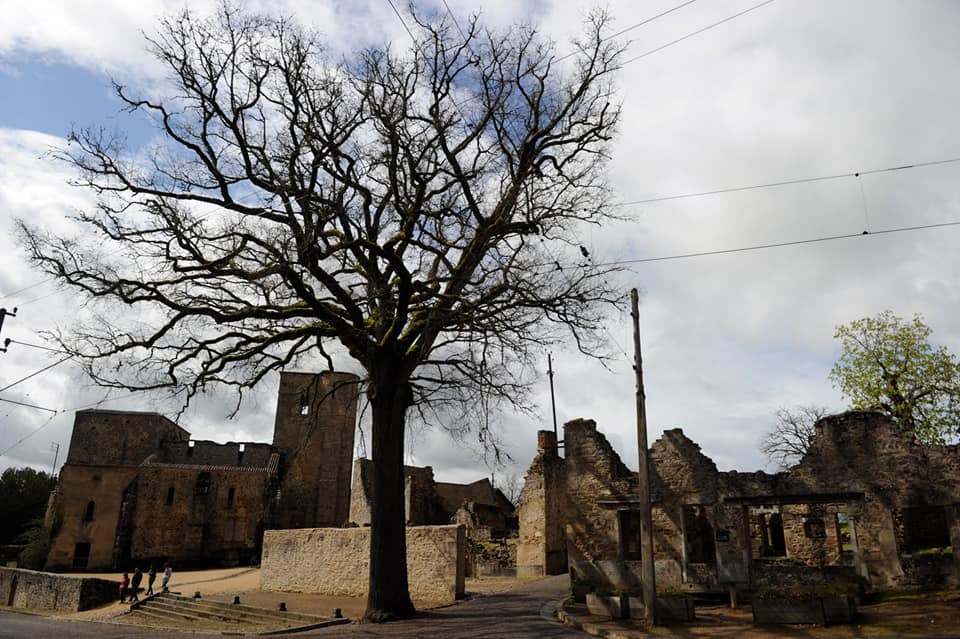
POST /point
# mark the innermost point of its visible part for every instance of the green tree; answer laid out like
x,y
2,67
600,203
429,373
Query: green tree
x,y
23,499
889,365
418,212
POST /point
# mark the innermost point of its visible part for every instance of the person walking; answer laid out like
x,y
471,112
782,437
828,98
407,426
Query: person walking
x,y
167,573
124,584
151,577
135,584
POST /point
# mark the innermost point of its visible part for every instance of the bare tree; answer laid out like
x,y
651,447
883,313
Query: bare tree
x,y
418,212
789,440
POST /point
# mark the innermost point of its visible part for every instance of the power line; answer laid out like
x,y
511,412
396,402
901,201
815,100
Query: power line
x,y
767,185
46,348
694,33
13,401
35,373
29,435
757,247
26,288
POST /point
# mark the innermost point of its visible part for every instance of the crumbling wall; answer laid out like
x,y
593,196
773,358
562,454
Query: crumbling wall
x,y
335,562
541,546
48,591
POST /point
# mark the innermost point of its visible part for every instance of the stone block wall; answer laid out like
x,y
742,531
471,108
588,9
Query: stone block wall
x,y
119,438
48,591
201,523
335,562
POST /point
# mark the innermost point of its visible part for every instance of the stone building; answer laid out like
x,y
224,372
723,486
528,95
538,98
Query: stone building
x,y
867,500
482,508
135,486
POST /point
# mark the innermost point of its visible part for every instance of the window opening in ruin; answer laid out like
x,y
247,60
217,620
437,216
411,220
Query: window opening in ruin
x,y
240,450
203,484
814,528
88,513
923,530
773,544
81,555
170,493
190,445
844,535
701,548
629,534
304,405
231,495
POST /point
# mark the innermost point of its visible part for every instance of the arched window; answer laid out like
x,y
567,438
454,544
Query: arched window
x,y
88,513
231,495
170,494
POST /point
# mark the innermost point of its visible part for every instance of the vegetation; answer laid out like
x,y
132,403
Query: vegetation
x,y
23,499
789,440
418,213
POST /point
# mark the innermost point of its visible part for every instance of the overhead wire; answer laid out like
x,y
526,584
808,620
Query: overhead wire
x,y
767,185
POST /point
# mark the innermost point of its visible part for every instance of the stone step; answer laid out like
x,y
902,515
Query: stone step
x,y
156,609
225,614
239,610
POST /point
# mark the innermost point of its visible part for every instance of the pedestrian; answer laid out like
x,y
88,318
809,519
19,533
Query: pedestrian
x,y
167,572
151,577
135,584
124,584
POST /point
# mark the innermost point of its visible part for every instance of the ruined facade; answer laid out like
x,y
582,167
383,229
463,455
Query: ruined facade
x,y
867,500
135,486
483,509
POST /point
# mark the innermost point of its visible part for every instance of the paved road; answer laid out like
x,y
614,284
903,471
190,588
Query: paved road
x,y
510,615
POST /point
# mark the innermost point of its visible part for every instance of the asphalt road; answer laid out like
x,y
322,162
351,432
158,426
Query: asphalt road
x,y
508,615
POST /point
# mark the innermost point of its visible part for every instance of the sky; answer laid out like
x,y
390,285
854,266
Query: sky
x,y
791,90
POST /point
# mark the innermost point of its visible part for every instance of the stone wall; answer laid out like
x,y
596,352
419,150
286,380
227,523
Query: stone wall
x,y
314,429
79,486
335,562
201,522
119,438
897,498
48,591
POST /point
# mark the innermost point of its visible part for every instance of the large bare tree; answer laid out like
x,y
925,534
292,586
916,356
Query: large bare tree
x,y
789,439
420,212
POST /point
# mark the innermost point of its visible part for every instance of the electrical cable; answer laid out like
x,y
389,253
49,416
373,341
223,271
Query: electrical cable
x,y
767,185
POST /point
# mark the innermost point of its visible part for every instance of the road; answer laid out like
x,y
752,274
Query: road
x,y
508,615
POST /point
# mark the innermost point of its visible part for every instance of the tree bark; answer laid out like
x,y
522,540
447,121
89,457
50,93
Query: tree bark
x,y
389,594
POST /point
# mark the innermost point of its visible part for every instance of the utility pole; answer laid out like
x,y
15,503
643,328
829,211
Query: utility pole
x,y
646,517
55,447
3,313
553,401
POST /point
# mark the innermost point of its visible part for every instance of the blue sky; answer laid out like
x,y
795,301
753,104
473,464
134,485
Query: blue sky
x,y
792,90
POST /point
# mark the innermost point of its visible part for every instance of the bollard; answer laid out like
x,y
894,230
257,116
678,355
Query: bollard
x,y
236,600
283,606
337,614
196,595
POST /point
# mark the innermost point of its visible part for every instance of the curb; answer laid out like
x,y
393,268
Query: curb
x,y
591,628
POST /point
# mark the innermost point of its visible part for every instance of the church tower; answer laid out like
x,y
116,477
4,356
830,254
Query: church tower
x,y
314,431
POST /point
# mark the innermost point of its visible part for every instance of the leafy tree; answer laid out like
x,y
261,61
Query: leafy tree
x,y
888,364
23,498
789,440
418,212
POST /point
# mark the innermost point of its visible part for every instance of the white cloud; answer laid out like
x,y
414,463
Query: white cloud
x,y
785,92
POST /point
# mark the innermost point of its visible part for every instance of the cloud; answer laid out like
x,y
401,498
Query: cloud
x,y
785,92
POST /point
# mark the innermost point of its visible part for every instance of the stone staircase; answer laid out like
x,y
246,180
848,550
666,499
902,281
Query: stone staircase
x,y
170,610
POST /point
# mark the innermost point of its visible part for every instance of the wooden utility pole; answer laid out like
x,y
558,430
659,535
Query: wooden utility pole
x,y
646,517
553,401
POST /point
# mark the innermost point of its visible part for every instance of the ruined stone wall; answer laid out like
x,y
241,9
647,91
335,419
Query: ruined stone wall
x,y
118,438
78,486
209,453
335,562
48,591
592,468
541,546
315,424
420,497
201,523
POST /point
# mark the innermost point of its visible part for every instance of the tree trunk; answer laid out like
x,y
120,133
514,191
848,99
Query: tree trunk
x,y
389,594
